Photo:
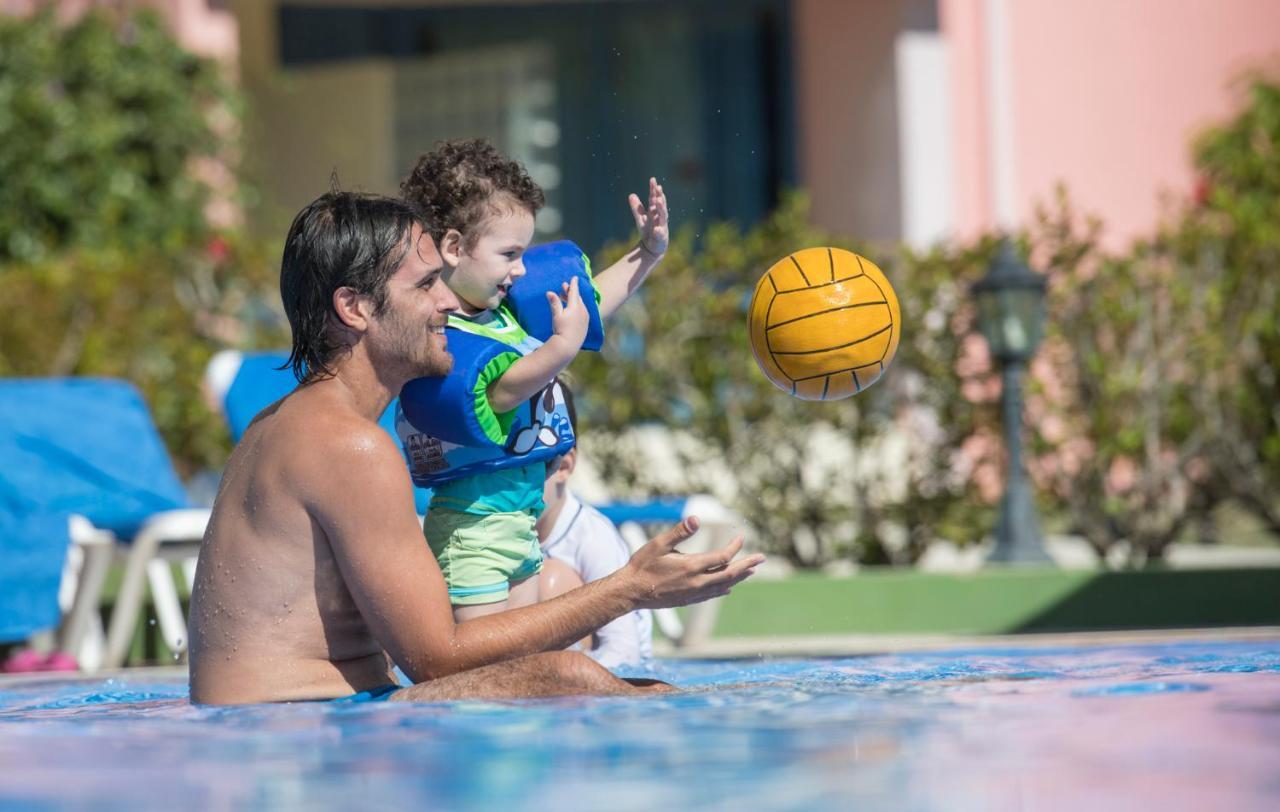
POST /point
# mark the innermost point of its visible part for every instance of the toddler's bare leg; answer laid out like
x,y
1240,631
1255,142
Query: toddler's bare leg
x,y
556,579
461,613
523,593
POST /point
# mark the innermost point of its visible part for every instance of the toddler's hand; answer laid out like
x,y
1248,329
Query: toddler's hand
x,y
652,221
570,318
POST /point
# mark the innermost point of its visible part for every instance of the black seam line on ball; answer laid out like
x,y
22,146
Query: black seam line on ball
x,y
839,347
823,313
801,270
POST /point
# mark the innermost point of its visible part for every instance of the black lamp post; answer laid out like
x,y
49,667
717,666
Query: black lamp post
x,y
1011,317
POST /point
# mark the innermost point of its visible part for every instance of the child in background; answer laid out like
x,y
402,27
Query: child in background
x,y
583,546
481,206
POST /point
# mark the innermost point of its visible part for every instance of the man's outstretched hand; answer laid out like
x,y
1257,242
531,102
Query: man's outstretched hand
x,y
662,576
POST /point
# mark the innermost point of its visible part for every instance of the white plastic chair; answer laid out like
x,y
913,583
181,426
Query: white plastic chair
x,y
83,575
88,447
165,538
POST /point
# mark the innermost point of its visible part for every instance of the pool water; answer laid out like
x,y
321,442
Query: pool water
x,y
1192,725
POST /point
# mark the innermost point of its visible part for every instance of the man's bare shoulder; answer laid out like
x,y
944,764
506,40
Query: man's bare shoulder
x,y
327,447
327,431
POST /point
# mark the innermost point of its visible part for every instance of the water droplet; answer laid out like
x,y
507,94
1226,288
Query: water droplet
x,y
151,622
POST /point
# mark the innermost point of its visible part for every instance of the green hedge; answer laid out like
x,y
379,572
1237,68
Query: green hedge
x,y
998,601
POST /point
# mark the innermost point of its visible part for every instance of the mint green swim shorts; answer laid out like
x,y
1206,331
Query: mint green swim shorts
x,y
480,555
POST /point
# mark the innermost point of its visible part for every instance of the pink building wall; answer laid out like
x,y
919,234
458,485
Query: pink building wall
x,y
201,29
1104,96
846,114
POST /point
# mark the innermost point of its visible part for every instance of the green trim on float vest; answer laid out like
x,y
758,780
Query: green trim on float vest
x,y
503,328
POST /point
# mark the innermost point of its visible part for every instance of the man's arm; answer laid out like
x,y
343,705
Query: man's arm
x,y
621,279
367,516
620,642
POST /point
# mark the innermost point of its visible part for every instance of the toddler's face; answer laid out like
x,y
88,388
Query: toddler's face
x,y
485,274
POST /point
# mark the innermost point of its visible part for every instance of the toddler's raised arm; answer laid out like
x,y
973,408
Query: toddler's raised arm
x,y
621,279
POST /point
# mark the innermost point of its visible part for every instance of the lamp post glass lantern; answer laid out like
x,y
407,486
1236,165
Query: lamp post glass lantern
x,y
1011,317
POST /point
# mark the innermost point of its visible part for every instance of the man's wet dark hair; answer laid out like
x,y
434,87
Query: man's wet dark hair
x,y
343,239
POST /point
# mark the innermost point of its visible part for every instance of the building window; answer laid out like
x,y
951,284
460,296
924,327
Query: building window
x,y
594,98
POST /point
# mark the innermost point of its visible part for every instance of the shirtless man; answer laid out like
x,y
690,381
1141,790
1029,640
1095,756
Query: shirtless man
x,y
313,576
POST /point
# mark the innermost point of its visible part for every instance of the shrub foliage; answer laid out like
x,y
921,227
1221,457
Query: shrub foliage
x,y
106,256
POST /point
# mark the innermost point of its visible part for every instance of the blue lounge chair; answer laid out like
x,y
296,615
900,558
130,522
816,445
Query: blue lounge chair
x,y
88,447
33,550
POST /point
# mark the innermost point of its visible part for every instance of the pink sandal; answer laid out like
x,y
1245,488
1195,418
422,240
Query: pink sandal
x,y
29,661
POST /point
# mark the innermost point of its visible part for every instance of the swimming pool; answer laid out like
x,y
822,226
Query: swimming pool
x,y
1188,725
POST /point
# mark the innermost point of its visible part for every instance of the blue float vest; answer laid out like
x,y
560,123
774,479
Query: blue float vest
x,y
441,433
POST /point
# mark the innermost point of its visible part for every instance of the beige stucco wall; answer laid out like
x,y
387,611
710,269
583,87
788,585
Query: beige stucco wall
x,y
312,126
305,126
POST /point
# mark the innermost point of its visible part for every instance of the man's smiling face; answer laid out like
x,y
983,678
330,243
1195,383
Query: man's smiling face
x,y
417,308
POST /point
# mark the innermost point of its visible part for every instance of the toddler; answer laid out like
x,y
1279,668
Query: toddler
x,y
481,523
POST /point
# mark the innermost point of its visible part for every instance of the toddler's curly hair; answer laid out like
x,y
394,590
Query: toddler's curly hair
x,y
459,184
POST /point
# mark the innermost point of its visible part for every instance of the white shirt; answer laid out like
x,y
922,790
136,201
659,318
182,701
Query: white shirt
x,y
589,543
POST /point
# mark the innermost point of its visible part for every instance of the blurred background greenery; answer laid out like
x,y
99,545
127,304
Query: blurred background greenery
x,y
108,257
1153,410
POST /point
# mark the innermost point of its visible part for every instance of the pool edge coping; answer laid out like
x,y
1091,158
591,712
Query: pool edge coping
x,y
745,648
829,645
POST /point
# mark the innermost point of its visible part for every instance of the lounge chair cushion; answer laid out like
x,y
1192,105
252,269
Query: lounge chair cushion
x,y
87,446
32,550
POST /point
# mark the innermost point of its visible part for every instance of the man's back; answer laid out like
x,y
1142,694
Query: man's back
x,y
260,631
